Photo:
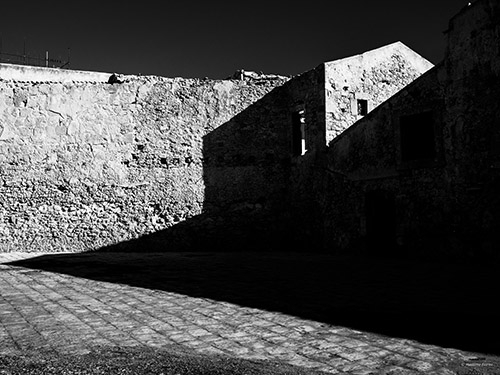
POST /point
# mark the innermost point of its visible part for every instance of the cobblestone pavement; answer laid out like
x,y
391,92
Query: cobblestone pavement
x,y
51,312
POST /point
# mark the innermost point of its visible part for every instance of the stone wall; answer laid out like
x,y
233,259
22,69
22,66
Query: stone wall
x,y
447,204
472,41
367,158
373,76
275,195
87,165
170,164
252,167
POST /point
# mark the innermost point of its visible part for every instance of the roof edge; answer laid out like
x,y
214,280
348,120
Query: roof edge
x,y
420,62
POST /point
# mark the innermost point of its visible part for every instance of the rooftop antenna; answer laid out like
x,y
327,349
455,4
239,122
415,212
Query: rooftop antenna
x,y
67,61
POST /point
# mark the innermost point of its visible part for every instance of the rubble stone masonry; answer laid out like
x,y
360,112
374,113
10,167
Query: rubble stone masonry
x,y
179,163
86,164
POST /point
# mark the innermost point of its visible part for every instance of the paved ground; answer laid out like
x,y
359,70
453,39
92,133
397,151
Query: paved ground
x,y
279,307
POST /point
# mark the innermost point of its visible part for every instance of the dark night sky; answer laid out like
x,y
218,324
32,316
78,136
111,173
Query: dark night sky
x,y
214,39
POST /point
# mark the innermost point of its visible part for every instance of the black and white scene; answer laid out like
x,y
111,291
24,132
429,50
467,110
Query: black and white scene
x,y
250,188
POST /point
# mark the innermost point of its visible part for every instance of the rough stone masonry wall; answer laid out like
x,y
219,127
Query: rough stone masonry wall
x,y
366,158
85,165
373,76
252,166
449,205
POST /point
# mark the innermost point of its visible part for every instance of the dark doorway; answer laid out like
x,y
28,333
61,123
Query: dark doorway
x,y
380,213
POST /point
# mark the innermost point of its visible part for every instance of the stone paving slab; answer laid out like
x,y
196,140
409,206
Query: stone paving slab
x,y
51,312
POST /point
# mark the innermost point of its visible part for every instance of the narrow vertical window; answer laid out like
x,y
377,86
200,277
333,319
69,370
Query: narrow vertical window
x,y
298,133
362,107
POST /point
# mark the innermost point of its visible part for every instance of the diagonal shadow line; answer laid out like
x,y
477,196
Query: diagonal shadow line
x,y
444,304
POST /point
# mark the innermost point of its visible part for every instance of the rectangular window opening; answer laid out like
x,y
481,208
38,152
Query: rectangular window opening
x,y
299,133
362,107
417,137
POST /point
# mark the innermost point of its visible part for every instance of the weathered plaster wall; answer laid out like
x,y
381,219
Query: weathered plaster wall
x,y
373,76
85,165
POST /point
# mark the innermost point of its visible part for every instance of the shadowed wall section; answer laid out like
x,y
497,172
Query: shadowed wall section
x,y
434,149
254,182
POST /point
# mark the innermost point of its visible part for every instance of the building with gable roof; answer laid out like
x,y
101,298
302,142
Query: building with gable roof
x,y
420,174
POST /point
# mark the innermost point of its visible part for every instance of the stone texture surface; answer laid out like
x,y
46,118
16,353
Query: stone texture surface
x,y
84,165
251,164
43,311
373,76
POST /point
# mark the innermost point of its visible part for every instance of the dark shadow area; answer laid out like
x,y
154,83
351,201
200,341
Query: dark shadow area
x,y
380,211
244,228
439,303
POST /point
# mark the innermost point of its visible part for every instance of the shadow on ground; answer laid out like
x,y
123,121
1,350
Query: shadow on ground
x,y
450,305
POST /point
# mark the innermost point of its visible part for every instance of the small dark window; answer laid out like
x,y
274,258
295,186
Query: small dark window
x,y
417,137
298,133
362,107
